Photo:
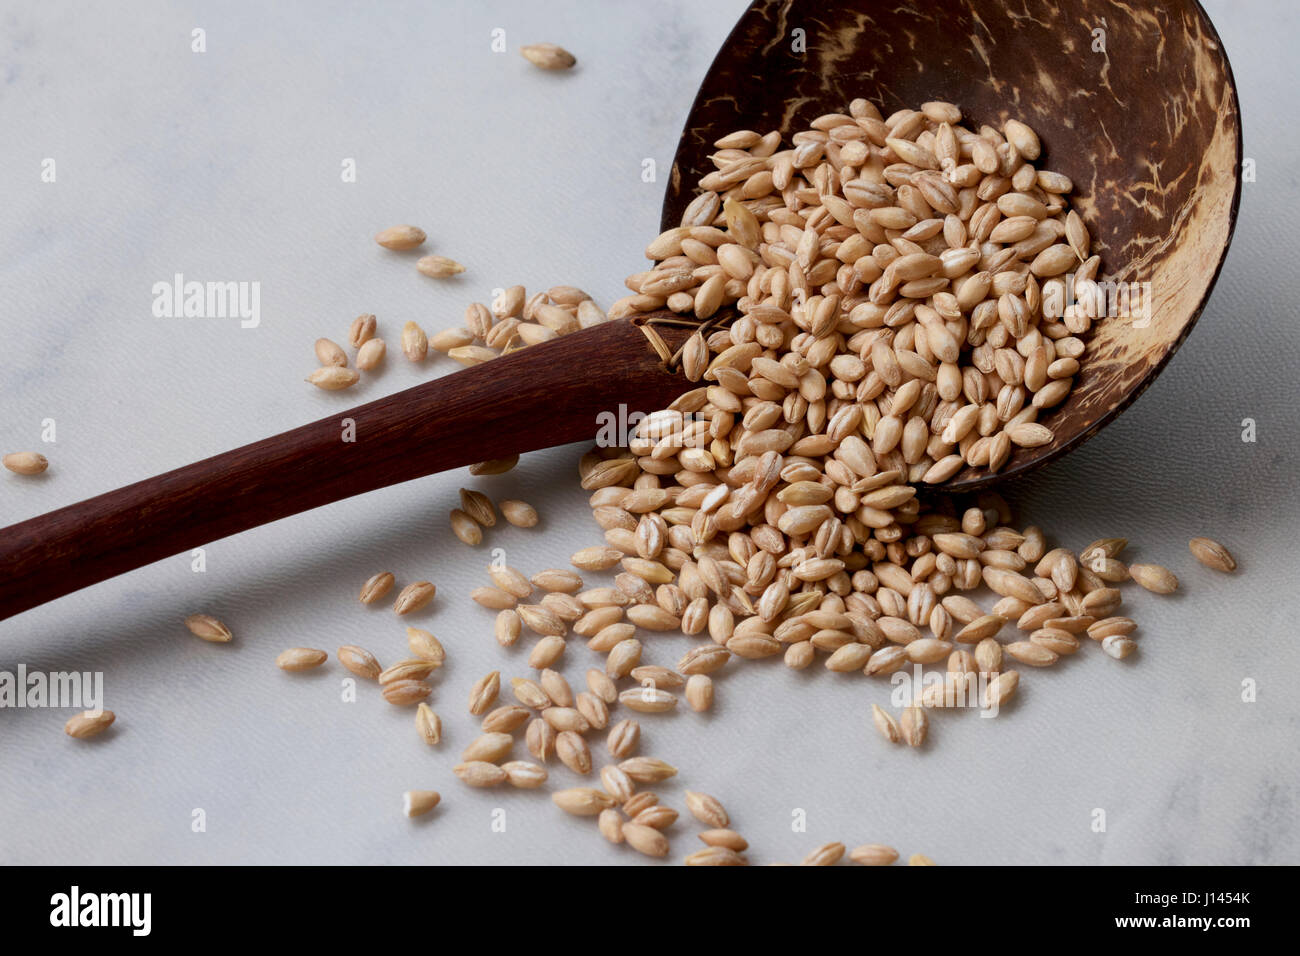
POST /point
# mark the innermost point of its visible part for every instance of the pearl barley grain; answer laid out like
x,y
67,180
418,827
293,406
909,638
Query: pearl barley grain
x,y
26,462
377,587
401,237
1212,554
519,513
89,723
333,378
439,267
371,354
548,56
414,597
300,659
209,628
699,692
419,802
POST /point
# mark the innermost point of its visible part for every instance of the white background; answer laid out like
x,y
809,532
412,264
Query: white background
x,y
225,166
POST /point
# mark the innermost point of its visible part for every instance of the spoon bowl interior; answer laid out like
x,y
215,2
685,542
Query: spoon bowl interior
x,y
1134,102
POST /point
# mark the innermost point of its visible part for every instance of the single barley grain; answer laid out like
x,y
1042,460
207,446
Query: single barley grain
x,y
330,378
447,339
557,579
658,817
27,462
425,646
89,723
1001,689
529,693
640,802
704,659
540,736
480,774
1108,626
826,855
478,506
610,823
359,661
645,840
209,628
428,724
913,726
494,466
920,859
510,580
723,837
415,344
371,354
546,652
377,587
699,692
329,353
414,597
988,656
616,783
1104,548
601,686
885,724
596,559
493,598
1212,554
714,856
707,809
582,801
404,693
419,802
658,677
490,747
506,719
548,56
647,769
300,659
556,688
1154,578
508,627
466,528
1117,646
439,267
414,669
873,854
624,739
362,330
1027,652
519,513
484,693
401,237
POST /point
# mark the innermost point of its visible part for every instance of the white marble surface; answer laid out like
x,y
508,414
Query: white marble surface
x,y
226,165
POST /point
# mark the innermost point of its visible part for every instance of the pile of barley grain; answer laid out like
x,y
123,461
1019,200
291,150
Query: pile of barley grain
x,y
899,284
901,315
892,297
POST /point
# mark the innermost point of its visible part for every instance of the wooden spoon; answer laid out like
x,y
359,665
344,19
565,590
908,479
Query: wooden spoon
x,y
1157,185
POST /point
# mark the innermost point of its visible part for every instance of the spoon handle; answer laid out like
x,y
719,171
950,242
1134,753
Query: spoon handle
x,y
544,395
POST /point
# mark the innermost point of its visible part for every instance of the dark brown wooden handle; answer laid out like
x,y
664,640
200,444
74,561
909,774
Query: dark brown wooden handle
x,y
545,395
